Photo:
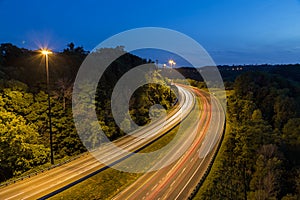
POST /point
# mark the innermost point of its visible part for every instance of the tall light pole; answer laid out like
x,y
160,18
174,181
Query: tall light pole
x,y
46,52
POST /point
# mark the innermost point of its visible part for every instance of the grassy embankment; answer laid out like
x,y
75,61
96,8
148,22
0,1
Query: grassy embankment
x,y
110,182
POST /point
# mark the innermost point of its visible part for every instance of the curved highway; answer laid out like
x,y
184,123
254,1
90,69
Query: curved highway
x,y
178,180
66,175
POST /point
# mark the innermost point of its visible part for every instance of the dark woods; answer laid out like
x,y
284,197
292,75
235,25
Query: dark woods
x,y
24,133
259,157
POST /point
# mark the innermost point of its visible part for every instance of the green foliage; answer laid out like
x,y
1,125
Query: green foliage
x,y
19,144
261,146
147,96
24,130
291,132
110,182
143,98
265,182
24,116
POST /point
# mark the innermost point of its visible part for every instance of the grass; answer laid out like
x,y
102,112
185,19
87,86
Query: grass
x,y
208,183
110,182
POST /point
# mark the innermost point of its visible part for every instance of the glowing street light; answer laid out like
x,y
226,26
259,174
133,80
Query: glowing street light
x,y
172,62
46,52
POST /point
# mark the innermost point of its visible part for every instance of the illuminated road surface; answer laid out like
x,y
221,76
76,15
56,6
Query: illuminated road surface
x,y
178,180
54,179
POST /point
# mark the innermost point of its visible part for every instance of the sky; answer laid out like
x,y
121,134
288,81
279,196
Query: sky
x,y
231,31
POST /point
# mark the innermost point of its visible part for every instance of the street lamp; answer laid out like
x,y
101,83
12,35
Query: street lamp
x,y
46,52
172,62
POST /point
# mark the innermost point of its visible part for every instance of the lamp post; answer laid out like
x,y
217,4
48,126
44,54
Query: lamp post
x,y
46,52
172,62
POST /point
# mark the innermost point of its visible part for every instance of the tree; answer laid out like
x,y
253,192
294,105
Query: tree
x,y
71,46
291,132
265,182
19,144
63,91
284,109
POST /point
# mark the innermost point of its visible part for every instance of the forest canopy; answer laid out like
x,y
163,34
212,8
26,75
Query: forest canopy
x,y
24,130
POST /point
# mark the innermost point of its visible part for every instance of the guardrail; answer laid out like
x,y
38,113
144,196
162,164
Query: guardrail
x,y
42,170
200,183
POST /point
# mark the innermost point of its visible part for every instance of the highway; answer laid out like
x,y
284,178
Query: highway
x,y
178,180
61,176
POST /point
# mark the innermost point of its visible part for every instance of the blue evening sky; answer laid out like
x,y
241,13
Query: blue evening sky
x,y
232,31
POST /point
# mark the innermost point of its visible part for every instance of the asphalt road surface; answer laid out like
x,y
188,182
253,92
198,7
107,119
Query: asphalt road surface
x,y
57,178
178,180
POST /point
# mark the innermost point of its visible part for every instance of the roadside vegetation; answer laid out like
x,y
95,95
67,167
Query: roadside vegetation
x,y
110,182
259,156
24,130
258,159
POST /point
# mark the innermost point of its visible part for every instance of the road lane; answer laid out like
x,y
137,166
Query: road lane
x,y
49,181
178,180
184,183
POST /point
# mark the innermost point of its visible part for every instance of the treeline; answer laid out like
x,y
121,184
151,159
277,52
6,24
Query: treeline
x,y
230,73
290,71
24,131
259,157
28,66
24,118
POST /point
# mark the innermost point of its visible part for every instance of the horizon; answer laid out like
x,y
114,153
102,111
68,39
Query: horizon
x,y
235,32
150,99
165,57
